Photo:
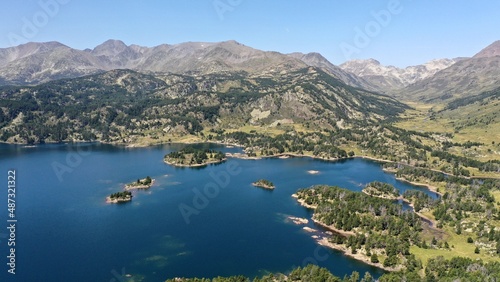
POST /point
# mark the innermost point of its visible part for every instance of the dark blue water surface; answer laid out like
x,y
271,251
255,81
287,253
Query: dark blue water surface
x,y
193,222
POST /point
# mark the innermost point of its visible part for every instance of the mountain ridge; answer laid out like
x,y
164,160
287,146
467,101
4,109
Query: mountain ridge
x,y
34,63
22,65
466,77
390,78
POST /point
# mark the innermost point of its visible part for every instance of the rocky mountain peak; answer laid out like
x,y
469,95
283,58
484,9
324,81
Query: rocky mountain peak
x,y
439,64
369,67
313,57
391,78
317,60
109,48
491,50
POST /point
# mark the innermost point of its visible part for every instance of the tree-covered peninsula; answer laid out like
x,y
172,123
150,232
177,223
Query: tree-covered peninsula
x,y
464,221
374,230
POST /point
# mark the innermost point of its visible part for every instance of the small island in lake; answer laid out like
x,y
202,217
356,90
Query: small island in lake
x,y
381,190
192,157
263,183
144,183
119,197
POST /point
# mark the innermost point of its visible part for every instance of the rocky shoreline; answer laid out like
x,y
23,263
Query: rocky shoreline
x,y
303,203
428,186
142,186
195,165
110,200
119,197
323,240
261,184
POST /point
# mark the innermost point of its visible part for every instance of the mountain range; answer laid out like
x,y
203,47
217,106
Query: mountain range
x,y
468,76
390,78
35,63
119,93
438,80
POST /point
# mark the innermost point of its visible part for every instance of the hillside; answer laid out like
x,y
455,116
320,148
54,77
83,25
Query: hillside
x,y
124,105
466,77
474,111
473,120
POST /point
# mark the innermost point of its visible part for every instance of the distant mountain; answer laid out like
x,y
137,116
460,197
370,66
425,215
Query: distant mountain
x,y
34,63
204,58
437,80
317,60
125,105
37,62
469,76
390,79
8,55
490,51
114,54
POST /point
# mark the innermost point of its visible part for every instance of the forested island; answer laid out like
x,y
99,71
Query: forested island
x,y
192,157
144,183
126,196
119,197
381,190
264,183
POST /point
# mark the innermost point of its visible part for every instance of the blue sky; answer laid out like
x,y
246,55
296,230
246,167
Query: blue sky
x,y
395,32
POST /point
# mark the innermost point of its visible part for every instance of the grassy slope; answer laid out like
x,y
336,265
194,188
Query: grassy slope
x,y
446,122
418,119
458,247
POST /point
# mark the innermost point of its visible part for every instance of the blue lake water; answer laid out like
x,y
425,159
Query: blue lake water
x,y
193,222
